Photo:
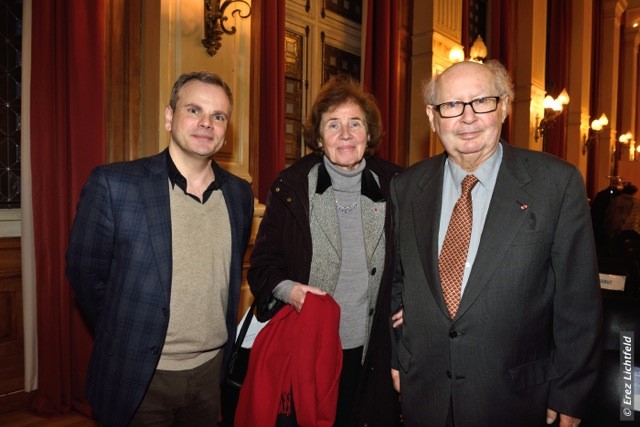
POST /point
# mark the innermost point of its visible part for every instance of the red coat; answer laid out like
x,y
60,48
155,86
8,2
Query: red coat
x,y
299,353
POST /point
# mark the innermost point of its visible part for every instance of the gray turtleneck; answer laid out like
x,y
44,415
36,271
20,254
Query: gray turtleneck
x,y
351,292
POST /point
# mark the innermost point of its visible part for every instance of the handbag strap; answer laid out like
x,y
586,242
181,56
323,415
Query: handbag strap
x,y
244,328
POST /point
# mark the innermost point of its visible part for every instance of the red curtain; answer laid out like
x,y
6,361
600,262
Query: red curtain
x,y
503,45
464,32
557,71
271,145
67,141
596,54
381,68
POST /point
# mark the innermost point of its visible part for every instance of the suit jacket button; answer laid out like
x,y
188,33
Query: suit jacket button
x,y
154,350
453,334
449,374
373,271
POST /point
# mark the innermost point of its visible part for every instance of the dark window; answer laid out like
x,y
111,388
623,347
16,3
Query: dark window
x,y
477,20
338,61
350,9
10,100
294,87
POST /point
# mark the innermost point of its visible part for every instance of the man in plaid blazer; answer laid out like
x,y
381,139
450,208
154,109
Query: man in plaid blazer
x,y
155,260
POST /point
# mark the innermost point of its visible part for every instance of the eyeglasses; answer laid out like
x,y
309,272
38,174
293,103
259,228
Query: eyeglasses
x,y
487,104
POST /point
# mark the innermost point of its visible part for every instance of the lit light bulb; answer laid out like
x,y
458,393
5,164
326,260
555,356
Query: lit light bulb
x,y
548,102
563,98
456,54
604,120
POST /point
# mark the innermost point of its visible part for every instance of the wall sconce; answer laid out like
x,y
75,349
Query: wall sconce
x,y
594,132
456,54
478,51
552,109
627,140
214,22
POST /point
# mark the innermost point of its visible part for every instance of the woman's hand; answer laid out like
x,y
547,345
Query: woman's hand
x,y
395,377
299,293
397,318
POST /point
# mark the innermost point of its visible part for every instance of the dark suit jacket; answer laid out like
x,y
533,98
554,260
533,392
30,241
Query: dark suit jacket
x,y
119,263
526,332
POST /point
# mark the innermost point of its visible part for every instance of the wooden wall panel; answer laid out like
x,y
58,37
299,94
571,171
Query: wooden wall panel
x,y
246,298
122,107
11,330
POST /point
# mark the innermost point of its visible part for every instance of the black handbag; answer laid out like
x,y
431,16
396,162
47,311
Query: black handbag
x,y
239,360
236,371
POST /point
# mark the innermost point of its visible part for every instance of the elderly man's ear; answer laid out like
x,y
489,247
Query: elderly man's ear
x,y
430,115
505,108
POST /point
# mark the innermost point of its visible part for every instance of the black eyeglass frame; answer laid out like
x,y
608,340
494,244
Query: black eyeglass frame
x,y
464,105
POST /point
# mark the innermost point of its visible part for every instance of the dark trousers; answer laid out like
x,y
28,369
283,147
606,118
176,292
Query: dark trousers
x,y
182,398
351,366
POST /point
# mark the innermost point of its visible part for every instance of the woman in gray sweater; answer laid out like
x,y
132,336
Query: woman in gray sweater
x,y
327,229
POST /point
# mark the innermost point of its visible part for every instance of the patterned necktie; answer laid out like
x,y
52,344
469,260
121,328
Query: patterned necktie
x,y
453,256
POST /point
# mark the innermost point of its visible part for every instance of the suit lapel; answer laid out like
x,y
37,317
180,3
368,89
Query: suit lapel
x,y
155,198
426,219
510,205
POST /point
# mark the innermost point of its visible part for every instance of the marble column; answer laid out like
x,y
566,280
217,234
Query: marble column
x,y
629,84
437,27
529,79
579,85
608,87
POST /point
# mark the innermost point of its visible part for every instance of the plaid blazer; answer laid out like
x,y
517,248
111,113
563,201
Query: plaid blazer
x,y
119,263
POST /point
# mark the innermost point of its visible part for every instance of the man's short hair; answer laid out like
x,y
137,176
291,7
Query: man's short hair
x,y
201,76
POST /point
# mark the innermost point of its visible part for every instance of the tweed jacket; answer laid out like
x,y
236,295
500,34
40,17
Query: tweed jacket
x,y
119,263
283,250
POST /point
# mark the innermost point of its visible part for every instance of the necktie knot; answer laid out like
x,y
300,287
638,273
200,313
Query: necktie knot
x,y
468,183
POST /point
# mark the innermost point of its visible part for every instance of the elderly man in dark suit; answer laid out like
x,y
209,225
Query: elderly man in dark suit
x,y
155,260
499,281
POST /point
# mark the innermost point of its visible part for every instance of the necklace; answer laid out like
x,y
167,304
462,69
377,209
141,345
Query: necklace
x,y
347,209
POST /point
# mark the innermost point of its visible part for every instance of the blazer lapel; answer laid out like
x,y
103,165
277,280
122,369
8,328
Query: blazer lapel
x,y
235,214
508,209
234,208
323,211
426,219
155,198
373,214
